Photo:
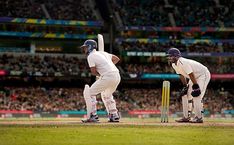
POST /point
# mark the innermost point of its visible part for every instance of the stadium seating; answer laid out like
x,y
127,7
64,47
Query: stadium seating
x,y
22,9
185,13
145,13
59,9
43,65
68,10
36,65
162,47
60,99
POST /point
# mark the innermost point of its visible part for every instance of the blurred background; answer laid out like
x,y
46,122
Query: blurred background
x,y
43,72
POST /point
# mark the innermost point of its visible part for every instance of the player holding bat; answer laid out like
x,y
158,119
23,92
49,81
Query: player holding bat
x,y
101,64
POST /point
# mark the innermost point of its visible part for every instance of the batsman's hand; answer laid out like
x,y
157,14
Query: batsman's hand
x,y
196,90
184,90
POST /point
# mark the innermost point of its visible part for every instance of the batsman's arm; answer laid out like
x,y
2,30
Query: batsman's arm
x,y
184,90
183,80
192,77
115,59
94,71
196,89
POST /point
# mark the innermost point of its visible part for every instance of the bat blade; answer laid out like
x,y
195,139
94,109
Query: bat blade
x,y
100,42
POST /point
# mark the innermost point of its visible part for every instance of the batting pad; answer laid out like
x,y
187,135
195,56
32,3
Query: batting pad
x,y
90,101
103,99
109,103
185,105
198,108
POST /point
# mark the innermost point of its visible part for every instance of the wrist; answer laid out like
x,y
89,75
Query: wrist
x,y
195,86
185,85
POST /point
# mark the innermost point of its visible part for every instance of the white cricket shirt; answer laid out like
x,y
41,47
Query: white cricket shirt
x,y
186,66
102,61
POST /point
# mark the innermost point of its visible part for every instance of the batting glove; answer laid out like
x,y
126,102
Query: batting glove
x,y
196,90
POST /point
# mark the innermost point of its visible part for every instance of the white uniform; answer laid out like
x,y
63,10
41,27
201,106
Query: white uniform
x,y
202,75
107,82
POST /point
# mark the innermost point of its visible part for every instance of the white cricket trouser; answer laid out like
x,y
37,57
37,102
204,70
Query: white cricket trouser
x,y
202,81
106,85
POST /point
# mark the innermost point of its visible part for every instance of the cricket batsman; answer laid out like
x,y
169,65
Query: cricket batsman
x,y
198,77
102,64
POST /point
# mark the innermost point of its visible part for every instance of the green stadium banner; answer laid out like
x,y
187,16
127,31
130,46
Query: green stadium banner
x,y
81,112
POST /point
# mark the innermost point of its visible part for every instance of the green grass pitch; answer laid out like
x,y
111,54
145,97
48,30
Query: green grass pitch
x,y
127,133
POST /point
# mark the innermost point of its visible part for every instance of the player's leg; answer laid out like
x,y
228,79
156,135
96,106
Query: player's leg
x,y
110,103
103,99
99,86
106,86
108,98
190,106
190,99
198,109
90,98
90,105
198,104
185,107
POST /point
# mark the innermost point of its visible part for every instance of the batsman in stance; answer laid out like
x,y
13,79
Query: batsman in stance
x,y
194,89
102,64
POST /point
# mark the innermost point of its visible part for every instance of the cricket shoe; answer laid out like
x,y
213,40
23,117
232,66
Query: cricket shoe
x,y
114,118
183,120
197,120
92,119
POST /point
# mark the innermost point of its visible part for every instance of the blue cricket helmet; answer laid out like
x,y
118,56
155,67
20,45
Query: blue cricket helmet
x,y
91,44
173,52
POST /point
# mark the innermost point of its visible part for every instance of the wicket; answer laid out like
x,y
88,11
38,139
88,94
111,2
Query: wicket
x,y
165,101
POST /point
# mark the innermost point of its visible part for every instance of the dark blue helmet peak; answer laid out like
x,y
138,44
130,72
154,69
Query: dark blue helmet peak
x,y
173,52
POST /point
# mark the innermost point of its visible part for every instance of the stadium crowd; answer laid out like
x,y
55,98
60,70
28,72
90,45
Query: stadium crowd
x,y
48,29
21,9
200,13
59,9
162,47
43,65
139,69
227,47
147,13
61,65
42,99
68,9
229,16
215,101
58,99
214,65
185,13
197,13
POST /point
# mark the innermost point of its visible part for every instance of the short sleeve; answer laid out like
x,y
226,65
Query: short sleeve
x,y
175,68
108,55
186,67
91,61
